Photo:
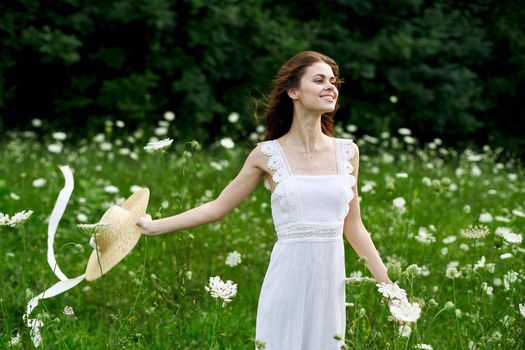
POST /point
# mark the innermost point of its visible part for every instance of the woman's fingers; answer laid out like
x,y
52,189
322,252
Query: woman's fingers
x,y
143,223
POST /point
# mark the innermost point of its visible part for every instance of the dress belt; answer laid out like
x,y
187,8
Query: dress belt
x,y
310,232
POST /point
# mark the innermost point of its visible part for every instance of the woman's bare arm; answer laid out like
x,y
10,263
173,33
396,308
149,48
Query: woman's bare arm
x,y
358,236
231,196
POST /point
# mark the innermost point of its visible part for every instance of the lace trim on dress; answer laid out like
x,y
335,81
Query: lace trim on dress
x,y
275,162
345,153
304,231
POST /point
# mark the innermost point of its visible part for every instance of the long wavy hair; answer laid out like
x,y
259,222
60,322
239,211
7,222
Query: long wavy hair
x,y
278,105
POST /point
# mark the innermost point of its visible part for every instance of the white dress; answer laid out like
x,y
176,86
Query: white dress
x,y
302,299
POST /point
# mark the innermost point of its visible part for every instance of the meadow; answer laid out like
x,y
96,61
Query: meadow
x,y
447,224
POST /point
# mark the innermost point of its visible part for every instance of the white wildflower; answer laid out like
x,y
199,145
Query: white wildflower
x,y
425,237
15,341
509,278
99,138
220,289
135,188
387,158
82,217
39,182
260,128
399,202
68,311
475,231
120,124
59,136
512,238
161,145
505,256
423,346
233,117
404,131
15,220
522,309
169,116
368,186
4,219
124,151
34,326
480,264
485,217
506,320
370,139
501,230
391,290
393,99
260,344
405,311
233,259
425,271
475,170
55,148
409,140
518,213
404,331
449,239
474,157
111,189
453,263
413,270
227,143
452,272
105,146
36,122
351,128
502,218
487,289
160,131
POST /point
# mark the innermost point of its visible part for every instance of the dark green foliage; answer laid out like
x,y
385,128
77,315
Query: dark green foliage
x,y
456,69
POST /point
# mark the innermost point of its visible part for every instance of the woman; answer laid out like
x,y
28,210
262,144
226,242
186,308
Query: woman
x,y
312,178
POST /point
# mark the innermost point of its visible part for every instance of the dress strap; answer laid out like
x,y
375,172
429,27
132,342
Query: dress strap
x,y
345,152
276,161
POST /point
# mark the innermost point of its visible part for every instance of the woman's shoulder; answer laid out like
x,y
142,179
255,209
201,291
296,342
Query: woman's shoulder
x,y
349,147
258,155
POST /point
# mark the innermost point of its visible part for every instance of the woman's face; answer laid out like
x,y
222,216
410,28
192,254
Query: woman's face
x,y
317,91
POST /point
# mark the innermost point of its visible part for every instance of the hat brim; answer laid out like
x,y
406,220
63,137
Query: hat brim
x,y
117,239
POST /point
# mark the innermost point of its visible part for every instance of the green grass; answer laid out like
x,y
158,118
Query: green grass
x,y
148,301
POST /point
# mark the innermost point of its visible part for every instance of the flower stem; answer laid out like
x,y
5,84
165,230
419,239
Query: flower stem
x,y
140,287
213,342
25,256
457,321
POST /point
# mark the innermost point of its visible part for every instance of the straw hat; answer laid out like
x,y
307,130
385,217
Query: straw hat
x,y
121,234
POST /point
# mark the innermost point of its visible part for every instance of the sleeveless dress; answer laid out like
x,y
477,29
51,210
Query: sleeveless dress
x,y
302,300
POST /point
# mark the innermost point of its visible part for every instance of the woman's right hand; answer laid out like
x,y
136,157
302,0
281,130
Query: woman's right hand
x,y
145,224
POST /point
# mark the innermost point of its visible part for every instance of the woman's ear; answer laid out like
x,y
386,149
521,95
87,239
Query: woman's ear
x,y
292,94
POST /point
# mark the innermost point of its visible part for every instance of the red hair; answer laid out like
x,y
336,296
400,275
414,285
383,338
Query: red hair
x,y
279,107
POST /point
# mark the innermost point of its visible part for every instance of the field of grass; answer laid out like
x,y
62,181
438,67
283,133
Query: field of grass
x,y
469,289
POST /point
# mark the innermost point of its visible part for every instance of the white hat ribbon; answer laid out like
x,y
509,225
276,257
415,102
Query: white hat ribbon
x,y
65,283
